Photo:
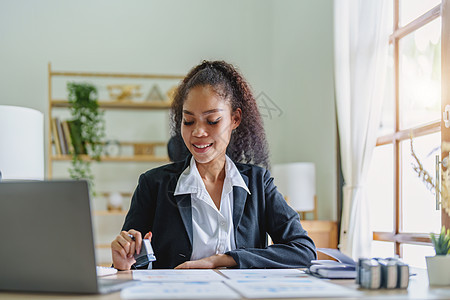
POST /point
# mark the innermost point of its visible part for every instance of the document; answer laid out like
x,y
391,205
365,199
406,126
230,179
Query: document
x,y
177,275
262,273
290,288
179,290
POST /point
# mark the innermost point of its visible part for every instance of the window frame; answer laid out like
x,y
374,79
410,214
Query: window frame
x,y
397,236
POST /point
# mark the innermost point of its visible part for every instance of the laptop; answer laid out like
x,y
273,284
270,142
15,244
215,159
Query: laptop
x,y
47,239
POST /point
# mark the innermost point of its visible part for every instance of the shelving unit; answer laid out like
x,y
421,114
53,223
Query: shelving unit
x,y
105,104
58,104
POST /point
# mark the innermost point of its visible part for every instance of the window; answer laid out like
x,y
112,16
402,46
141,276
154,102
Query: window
x,y
403,209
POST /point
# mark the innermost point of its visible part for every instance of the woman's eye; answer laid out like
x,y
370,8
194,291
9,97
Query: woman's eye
x,y
186,123
214,122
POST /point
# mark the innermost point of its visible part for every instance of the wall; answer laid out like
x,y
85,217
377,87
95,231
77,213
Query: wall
x,y
284,48
302,81
132,36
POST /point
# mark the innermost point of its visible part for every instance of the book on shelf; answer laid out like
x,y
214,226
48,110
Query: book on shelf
x,y
67,137
62,141
56,137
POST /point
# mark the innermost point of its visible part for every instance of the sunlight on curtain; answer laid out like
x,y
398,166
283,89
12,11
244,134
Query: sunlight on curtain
x,y
361,49
381,200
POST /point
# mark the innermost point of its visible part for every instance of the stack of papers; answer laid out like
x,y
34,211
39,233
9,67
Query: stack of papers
x,y
343,268
176,275
230,284
243,274
179,290
306,287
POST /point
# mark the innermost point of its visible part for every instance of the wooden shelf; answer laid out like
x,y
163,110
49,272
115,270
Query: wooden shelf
x,y
122,143
135,158
110,213
113,75
154,144
150,105
123,194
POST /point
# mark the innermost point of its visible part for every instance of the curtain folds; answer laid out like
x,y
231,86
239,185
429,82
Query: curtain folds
x,y
361,44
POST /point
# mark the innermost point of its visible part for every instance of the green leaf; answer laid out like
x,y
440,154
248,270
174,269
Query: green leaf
x,y
87,128
441,243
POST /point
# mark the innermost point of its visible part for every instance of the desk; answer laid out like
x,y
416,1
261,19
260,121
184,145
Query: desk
x,y
418,289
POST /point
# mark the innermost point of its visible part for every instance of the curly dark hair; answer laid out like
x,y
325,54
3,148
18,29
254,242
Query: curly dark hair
x,y
248,141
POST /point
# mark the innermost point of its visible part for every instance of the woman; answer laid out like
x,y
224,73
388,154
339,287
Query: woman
x,y
214,209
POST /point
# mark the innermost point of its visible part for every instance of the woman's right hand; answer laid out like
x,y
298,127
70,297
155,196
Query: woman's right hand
x,y
124,247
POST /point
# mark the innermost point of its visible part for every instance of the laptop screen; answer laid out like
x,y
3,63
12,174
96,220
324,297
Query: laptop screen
x,y
50,244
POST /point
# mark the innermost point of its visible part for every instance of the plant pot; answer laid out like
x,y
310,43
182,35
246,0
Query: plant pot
x,y
438,268
115,202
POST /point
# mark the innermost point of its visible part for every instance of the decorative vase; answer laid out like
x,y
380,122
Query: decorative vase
x,y
438,269
115,201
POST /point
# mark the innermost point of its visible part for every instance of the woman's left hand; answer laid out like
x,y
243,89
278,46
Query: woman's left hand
x,y
211,262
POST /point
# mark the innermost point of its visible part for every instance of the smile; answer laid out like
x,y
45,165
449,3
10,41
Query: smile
x,y
202,146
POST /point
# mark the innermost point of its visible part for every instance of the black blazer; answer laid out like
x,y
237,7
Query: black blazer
x,y
155,208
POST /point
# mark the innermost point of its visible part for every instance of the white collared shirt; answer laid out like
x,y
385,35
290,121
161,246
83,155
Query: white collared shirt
x,y
213,230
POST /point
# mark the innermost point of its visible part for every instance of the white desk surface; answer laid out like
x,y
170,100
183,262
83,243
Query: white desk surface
x,y
418,289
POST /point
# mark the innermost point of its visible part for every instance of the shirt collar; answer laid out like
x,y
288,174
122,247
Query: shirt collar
x,y
190,181
233,174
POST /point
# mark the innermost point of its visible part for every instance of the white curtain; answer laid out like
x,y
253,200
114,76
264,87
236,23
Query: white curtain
x,y
360,49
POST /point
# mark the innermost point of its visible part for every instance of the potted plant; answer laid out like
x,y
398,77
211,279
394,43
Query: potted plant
x,y
87,129
438,266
